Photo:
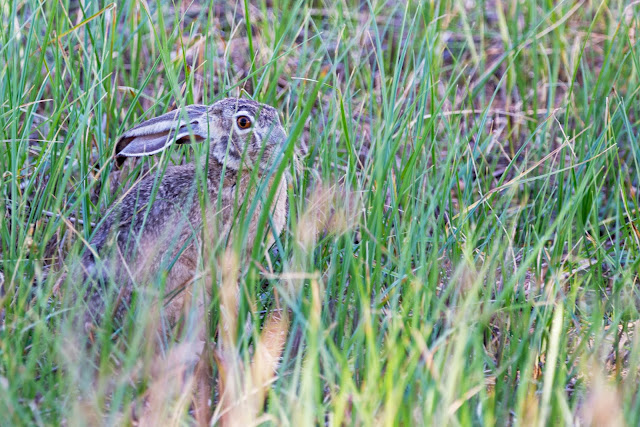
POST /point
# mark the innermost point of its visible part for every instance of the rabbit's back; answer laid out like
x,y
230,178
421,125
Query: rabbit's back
x,y
133,219
154,228
146,234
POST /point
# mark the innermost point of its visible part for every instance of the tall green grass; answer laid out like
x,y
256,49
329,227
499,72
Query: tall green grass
x,y
463,235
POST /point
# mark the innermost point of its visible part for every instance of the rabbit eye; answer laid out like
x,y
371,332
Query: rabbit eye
x,y
243,122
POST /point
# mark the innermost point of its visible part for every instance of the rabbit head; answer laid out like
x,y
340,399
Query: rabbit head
x,y
237,130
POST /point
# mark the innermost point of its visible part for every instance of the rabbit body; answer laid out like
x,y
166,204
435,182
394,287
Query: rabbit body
x,y
145,234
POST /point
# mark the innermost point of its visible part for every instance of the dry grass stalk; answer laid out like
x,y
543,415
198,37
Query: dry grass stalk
x,y
170,392
603,406
243,389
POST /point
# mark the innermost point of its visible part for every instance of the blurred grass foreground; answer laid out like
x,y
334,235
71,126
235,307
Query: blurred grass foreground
x,y
463,235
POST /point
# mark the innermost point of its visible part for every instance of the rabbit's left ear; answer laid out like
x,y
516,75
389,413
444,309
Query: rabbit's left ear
x,y
154,135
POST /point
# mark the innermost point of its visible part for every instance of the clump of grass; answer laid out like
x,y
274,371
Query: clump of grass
x,y
475,257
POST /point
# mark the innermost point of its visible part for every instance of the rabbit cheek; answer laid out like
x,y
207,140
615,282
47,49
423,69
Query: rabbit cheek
x,y
225,153
258,150
256,141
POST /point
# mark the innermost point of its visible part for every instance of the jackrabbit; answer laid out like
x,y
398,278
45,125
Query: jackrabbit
x,y
159,226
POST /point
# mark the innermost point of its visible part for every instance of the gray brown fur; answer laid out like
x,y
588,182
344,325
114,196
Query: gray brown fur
x,y
133,248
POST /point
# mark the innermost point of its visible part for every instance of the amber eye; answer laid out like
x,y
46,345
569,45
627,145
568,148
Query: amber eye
x,y
243,122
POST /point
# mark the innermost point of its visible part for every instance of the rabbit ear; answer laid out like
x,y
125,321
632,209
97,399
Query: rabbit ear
x,y
154,135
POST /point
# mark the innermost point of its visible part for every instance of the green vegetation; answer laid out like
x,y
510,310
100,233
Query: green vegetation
x,y
463,238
